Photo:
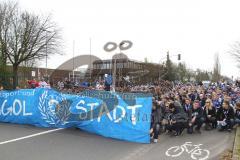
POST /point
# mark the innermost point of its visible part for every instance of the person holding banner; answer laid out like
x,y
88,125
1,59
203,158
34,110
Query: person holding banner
x,y
156,121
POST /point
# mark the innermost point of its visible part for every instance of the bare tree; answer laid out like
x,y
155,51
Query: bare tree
x,y
235,52
24,37
182,71
6,11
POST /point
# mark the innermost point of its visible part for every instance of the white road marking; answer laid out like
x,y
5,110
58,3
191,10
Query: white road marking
x,y
196,152
30,136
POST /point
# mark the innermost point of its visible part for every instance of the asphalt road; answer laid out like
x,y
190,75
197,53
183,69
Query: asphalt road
x,y
19,142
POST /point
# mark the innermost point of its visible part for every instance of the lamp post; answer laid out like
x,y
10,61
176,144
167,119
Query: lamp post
x,y
46,72
46,53
73,64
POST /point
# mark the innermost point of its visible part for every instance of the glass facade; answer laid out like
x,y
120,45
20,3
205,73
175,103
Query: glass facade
x,y
120,64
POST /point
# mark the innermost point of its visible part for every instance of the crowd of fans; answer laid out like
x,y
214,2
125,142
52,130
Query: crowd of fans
x,y
32,84
178,107
189,106
38,84
69,86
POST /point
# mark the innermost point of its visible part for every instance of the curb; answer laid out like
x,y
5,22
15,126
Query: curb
x,y
236,147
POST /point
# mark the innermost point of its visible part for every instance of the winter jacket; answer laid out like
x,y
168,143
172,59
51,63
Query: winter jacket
x,y
211,112
179,115
225,114
188,110
198,113
237,114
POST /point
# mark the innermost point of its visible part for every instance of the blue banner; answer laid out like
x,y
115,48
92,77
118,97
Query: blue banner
x,y
124,116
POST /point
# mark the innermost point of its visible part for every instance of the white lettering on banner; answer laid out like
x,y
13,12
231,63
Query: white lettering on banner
x,y
91,109
116,118
2,108
115,114
83,115
104,106
16,109
17,93
24,110
133,116
123,113
78,106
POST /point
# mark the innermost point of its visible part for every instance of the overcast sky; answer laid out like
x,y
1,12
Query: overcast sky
x,y
198,29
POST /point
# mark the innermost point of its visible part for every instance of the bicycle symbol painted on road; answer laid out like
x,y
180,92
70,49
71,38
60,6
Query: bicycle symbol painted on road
x,y
196,152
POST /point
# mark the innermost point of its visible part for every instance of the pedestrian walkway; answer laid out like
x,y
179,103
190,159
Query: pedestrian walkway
x,y
236,148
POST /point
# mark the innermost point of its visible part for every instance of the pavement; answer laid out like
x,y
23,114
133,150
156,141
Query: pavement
x,y
22,142
236,148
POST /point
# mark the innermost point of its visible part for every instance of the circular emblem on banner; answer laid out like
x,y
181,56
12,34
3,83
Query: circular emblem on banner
x,y
54,111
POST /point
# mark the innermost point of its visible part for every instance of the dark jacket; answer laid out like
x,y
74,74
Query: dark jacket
x,y
202,102
188,110
197,112
237,114
225,114
179,115
211,112
156,116
192,96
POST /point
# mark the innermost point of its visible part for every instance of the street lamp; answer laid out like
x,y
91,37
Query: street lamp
x,y
46,52
111,46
